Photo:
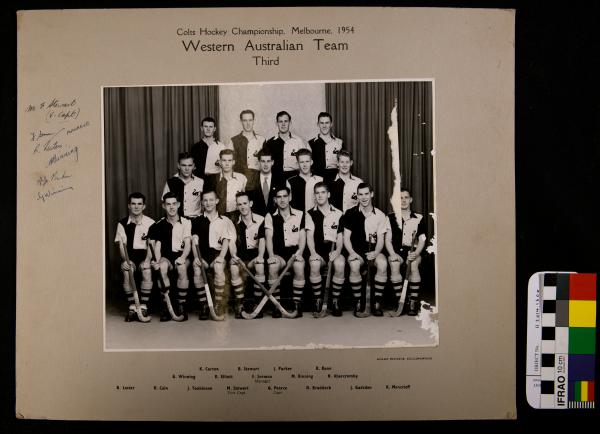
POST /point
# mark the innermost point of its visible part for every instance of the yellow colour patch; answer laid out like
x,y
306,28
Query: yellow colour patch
x,y
582,313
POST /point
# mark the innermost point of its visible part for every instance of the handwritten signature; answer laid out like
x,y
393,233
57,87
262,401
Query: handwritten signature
x,y
55,177
73,152
47,194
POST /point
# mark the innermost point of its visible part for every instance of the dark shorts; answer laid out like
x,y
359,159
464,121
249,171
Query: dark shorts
x,y
324,249
248,255
137,256
287,252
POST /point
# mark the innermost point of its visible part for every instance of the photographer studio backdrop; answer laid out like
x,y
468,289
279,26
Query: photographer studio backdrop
x,y
145,128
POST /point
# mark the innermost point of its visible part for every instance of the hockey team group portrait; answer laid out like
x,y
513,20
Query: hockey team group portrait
x,y
269,215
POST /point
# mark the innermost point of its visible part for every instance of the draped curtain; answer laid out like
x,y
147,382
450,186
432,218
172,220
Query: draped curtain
x,y
361,114
145,128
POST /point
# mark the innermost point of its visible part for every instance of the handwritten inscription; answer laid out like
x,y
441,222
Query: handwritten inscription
x,y
55,149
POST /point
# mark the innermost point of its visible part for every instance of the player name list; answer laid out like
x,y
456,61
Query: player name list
x,y
253,380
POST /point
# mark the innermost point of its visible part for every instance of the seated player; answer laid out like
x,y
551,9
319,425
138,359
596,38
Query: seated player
x,y
212,233
403,232
364,230
322,232
132,232
286,238
250,248
170,237
302,185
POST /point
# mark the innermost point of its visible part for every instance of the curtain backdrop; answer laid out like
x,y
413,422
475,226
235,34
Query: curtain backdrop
x,y
145,128
361,115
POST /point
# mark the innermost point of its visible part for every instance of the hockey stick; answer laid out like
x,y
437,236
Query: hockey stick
x,y
269,294
367,310
211,307
136,298
323,311
402,299
165,291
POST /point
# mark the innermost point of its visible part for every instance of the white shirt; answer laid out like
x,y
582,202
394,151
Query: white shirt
x,y
350,195
252,230
332,148
375,224
212,166
331,223
192,196
309,190
292,225
255,144
236,184
182,229
140,234
220,229
292,145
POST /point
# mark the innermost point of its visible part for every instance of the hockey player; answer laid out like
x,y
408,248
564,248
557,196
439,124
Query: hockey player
x,y
323,231
226,183
302,186
286,238
404,232
206,151
325,148
186,186
249,247
364,226
212,234
283,147
246,145
343,188
132,232
170,237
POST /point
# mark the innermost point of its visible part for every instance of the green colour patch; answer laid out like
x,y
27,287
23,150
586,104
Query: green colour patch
x,y
582,340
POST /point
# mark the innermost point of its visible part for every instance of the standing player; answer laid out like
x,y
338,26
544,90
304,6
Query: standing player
x,y
226,183
402,231
302,185
206,151
262,188
286,238
363,225
283,147
250,248
170,237
186,187
132,232
246,146
212,233
343,188
322,231
325,148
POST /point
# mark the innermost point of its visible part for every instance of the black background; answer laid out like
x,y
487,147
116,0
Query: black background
x,y
557,147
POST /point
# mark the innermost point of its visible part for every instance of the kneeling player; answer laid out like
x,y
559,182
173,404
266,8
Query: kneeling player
x,y
325,242
212,233
404,241
132,232
249,248
286,238
170,237
364,230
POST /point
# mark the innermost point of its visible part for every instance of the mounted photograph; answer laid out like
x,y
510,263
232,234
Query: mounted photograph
x,y
276,215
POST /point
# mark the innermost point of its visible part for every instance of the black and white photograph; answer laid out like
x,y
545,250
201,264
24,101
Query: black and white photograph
x,y
274,215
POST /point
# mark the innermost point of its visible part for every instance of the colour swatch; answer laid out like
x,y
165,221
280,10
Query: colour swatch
x,y
561,340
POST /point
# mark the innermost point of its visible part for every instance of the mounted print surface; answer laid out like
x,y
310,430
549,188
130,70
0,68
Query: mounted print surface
x,y
307,220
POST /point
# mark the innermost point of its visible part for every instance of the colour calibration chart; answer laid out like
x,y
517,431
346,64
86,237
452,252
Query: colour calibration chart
x,y
561,340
